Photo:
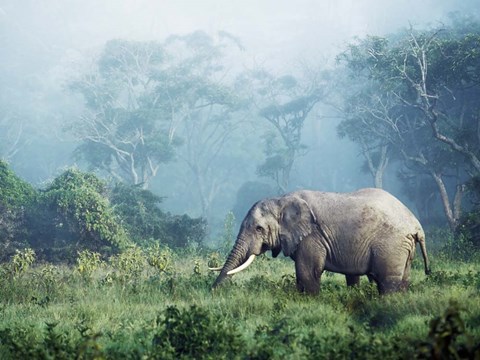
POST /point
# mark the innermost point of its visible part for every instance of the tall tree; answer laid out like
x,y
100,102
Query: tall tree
x,y
285,103
198,91
430,79
123,130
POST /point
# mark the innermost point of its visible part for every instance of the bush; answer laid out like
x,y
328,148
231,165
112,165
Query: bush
x,y
74,214
147,223
194,333
447,338
139,211
469,228
16,198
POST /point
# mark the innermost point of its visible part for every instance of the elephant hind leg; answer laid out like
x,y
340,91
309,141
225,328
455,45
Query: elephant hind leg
x,y
390,275
389,284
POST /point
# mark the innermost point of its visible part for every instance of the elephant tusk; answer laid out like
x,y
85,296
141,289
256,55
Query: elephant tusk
x,y
215,268
243,266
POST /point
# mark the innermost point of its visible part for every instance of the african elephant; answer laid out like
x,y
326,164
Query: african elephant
x,y
367,232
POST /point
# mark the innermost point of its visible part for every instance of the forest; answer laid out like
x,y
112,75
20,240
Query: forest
x,y
127,168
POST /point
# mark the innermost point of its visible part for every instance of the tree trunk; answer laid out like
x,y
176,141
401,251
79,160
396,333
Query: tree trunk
x,y
452,212
377,170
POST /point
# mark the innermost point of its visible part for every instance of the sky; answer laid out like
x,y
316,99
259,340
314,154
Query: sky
x,y
277,31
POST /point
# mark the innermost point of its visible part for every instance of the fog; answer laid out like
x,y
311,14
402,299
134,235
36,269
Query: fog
x,y
45,45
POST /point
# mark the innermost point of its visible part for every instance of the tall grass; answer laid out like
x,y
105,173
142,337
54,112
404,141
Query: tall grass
x,y
126,308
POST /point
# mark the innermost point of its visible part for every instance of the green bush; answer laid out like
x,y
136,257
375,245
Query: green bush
x,y
74,214
448,338
469,228
147,223
16,199
50,343
194,333
14,192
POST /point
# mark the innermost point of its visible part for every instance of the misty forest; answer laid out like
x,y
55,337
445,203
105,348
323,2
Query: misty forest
x,y
136,136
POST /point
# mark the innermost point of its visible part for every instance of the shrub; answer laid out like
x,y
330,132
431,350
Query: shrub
x,y
87,263
23,343
278,341
22,261
14,192
139,211
194,333
129,264
160,258
147,223
16,198
73,214
469,228
182,230
445,338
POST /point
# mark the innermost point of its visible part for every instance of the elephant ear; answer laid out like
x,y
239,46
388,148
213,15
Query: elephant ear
x,y
297,221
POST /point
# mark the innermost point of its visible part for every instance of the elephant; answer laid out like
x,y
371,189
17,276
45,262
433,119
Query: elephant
x,y
366,232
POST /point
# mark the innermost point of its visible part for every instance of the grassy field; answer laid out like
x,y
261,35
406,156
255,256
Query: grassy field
x,y
158,305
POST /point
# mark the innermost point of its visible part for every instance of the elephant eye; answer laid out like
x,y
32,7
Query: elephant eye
x,y
259,229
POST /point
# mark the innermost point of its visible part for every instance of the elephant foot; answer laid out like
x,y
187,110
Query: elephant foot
x,y
392,285
312,289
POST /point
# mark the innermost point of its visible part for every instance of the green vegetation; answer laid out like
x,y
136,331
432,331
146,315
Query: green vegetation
x,y
79,212
128,307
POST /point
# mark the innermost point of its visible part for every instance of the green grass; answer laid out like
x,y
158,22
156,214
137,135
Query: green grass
x,y
53,312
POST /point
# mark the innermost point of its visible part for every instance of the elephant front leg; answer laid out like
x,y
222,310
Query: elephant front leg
x,y
309,267
352,280
308,280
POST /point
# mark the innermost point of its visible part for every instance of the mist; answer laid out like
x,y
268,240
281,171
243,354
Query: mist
x,y
48,45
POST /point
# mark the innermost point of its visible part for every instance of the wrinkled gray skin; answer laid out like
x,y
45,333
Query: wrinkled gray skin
x,y
367,232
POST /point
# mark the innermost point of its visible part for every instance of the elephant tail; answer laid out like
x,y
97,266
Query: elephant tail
x,y
420,237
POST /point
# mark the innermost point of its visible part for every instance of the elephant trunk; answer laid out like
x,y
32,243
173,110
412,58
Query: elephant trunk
x,y
236,258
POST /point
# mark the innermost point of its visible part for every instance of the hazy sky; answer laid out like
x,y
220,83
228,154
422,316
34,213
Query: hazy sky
x,y
272,29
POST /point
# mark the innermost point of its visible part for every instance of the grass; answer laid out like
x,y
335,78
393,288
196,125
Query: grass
x,y
55,312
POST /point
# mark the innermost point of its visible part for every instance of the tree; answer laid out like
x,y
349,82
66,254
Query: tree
x,y
123,130
285,103
370,121
198,90
427,81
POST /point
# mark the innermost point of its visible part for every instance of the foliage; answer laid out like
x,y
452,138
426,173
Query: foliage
x,y
139,211
87,263
284,103
54,344
228,235
195,333
22,260
49,312
146,223
469,227
443,338
182,230
129,264
160,258
123,131
16,198
276,341
14,192
413,100
74,213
